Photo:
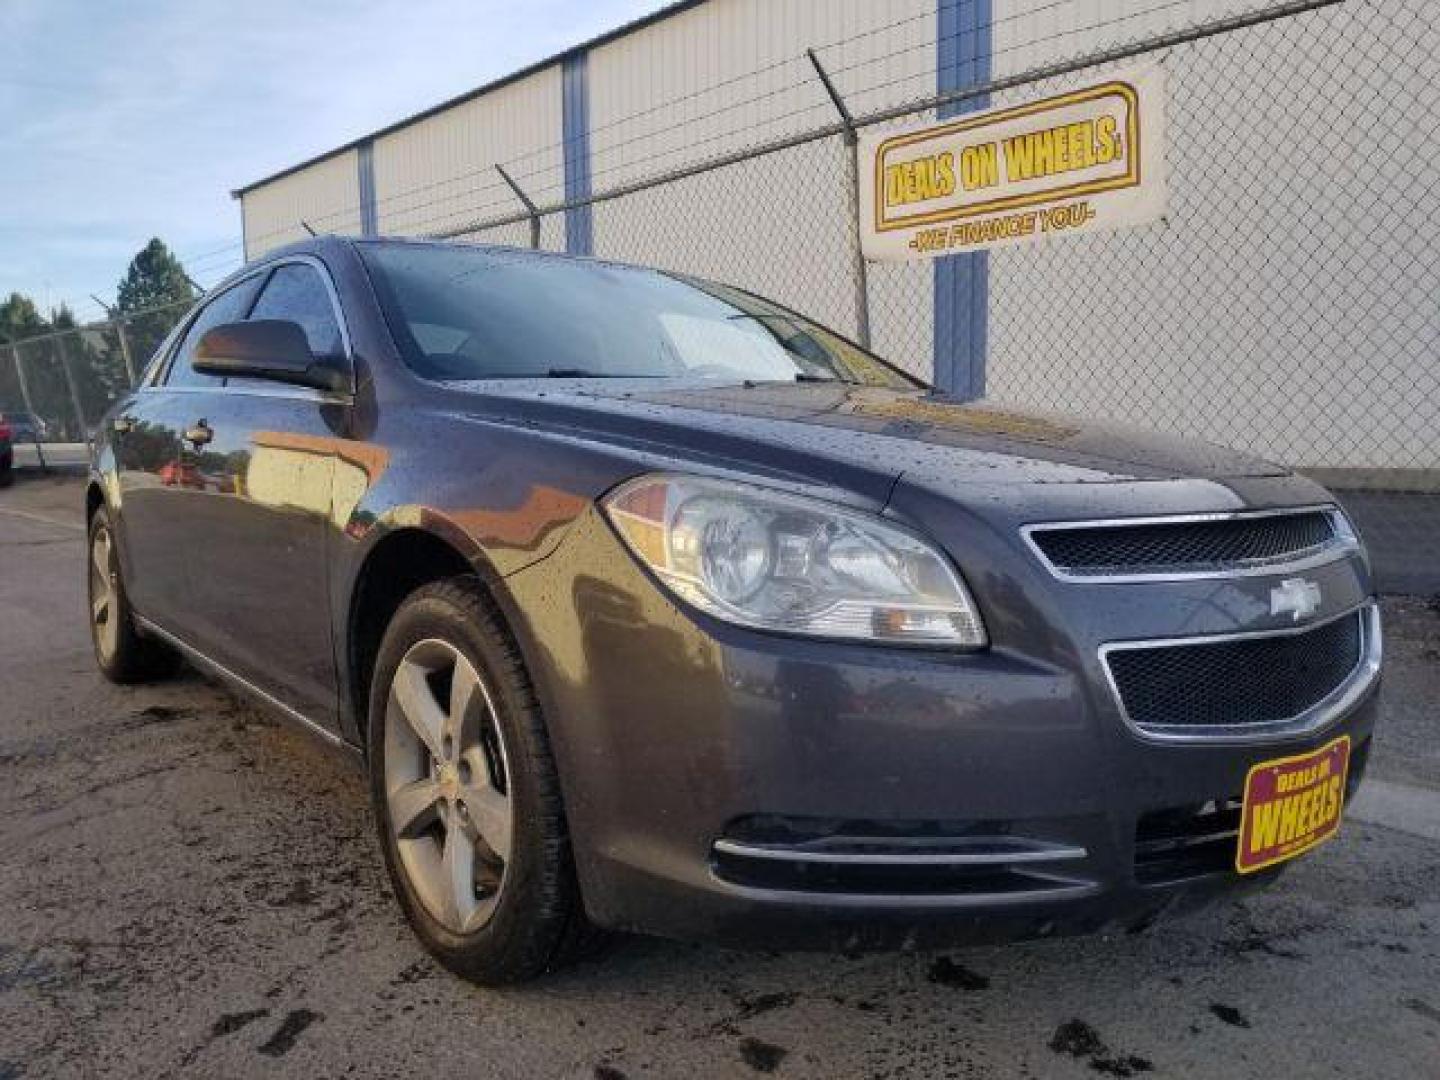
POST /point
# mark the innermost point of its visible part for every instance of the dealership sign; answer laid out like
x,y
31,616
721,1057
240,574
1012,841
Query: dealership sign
x,y
1088,159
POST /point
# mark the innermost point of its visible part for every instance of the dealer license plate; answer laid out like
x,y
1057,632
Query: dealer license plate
x,y
1291,804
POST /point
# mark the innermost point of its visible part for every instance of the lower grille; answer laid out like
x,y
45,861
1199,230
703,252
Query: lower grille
x,y
1187,842
895,859
1251,682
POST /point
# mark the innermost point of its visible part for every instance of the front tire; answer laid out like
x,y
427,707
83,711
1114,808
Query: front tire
x,y
467,800
122,652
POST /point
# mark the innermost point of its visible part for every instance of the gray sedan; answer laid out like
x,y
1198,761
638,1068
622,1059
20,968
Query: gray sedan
x,y
654,605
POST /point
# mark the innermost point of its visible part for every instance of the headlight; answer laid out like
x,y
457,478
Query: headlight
x,y
1344,528
781,562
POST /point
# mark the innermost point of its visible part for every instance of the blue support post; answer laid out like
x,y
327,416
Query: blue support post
x,y
575,123
365,165
962,293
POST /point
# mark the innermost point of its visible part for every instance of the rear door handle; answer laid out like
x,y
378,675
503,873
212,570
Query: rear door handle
x,y
199,433
123,425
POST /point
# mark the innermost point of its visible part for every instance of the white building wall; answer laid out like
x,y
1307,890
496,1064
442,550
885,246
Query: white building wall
x,y
1032,33
1249,316
325,194
715,79
439,173
732,74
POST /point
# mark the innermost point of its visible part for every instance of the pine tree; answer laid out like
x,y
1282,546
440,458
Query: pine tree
x,y
19,318
154,293
155,279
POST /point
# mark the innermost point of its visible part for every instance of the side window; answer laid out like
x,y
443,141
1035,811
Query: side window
x,y
154,374
297,293
229,306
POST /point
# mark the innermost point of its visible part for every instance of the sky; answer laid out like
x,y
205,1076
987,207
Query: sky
x,y
127,119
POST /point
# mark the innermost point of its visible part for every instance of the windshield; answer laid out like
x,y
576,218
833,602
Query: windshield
x,y
485,313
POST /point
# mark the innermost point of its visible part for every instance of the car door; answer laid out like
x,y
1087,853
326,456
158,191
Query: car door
x,y
256,532
155,467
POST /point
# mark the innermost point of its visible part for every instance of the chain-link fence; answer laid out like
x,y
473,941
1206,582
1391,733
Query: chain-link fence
x,y
54,387
1285,305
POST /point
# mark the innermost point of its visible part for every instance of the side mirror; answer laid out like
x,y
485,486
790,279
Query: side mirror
x,y
274,349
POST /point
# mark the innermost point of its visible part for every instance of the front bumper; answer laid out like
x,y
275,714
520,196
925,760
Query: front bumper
x,y
712,774
1132,865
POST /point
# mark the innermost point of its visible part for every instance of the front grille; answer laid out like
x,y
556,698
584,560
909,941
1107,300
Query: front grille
x,y
1186,546
1235,683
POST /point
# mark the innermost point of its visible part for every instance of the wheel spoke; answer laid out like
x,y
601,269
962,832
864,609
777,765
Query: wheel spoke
x,y
412,806
100,607
411,692
464,689
458,863
490,814
100,554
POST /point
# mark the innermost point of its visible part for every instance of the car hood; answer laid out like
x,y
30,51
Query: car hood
x,y
841,434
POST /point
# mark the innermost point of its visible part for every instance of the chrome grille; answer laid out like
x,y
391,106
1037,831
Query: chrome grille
x,y
1253,683
1194,545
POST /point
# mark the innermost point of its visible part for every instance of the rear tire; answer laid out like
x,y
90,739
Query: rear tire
x,y
122,652
7,471
466,795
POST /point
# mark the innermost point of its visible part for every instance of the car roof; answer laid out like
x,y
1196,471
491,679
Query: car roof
x,y
319,246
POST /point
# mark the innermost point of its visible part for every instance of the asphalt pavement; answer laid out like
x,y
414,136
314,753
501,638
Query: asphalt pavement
x,y
189,887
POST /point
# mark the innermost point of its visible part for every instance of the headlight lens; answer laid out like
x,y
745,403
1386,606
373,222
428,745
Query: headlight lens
x,y
781,562
1343,526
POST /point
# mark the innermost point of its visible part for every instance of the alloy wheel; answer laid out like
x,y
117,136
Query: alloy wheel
x,y
104,620
447,785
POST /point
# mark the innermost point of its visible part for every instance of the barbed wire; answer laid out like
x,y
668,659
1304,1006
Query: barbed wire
x,y
473,216
550,185
396,207
1066,66
1284,290
394,202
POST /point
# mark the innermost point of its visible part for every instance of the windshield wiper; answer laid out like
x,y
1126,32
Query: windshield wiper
x,y
586,373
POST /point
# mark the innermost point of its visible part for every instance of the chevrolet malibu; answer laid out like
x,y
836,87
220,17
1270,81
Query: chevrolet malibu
x,y
656,606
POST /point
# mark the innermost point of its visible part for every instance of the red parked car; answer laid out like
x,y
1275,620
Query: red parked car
x,y
7,455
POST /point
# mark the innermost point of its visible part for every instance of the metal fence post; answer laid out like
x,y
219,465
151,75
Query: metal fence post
x,y
530,207
852,144
64,351
125,352
114,317
29,406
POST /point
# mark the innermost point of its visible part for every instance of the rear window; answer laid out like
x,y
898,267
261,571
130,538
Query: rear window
x,y
484,313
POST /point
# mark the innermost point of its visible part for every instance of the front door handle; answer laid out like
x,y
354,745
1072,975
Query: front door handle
x,y
123,425
199,433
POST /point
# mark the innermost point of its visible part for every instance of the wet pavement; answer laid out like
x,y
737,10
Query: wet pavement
x,y
189,887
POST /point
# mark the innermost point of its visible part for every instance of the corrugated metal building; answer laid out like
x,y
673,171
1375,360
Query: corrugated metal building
x,y
1159,325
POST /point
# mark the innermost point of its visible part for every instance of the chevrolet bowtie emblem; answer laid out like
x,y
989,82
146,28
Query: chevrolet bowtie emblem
x,y
1298,597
